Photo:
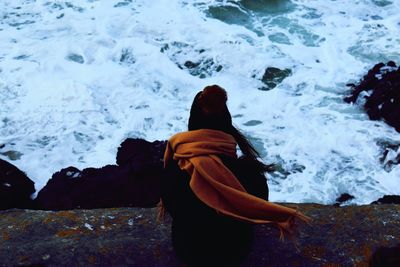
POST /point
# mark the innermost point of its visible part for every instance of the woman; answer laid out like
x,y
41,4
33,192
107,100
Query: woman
x,y
214,197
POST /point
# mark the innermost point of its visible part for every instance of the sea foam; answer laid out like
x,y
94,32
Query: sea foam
x,y
79,77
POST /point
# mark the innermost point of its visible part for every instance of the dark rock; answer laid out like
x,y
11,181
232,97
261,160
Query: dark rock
x,y
388,199
345,236
191,65
110,186
390,150
75,58
252,123
134,182
203,68
274,76
344,197
141,153
123,3
57,192
15,187
196,61
12,154
127,57
382,84
389,162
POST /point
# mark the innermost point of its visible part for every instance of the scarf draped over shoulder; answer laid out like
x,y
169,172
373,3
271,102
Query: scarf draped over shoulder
x,y
214,184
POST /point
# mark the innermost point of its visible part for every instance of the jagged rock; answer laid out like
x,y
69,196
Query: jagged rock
x,y
390,153
141,153
196,61
388,199
15,187
134,182
382,87
343,198
127,57
390,158
338,236
274,76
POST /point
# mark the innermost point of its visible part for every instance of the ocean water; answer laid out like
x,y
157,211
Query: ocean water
x,y
78,77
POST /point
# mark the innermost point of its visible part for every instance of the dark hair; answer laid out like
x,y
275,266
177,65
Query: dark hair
x,y
209,111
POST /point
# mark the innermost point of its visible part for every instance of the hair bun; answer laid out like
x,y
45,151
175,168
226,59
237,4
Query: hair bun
x,y
213,99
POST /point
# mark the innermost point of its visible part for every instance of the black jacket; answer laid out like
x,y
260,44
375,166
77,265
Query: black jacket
x,y
200,235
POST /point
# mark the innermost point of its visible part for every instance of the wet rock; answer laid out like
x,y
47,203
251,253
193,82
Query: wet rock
x,y
388,199
343,198
382,3
127,57
390,158
12,154
123,3
191,65
75,58
381,89
390,154
345,236
134,182
252,123
205,67
15,187
196,61
274,76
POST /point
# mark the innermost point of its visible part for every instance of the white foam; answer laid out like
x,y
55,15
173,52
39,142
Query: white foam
x,y
66,99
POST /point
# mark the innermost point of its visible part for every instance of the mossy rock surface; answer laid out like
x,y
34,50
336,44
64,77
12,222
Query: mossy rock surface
x,y
338,236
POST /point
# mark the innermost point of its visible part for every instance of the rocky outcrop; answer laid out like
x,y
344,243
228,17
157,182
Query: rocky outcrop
x,y
15,187
346,236
134,182
381,90
141,154
390,153
343,198
195,60
274,76
388,199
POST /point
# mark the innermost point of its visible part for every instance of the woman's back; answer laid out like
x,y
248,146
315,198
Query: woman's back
x,y
200,235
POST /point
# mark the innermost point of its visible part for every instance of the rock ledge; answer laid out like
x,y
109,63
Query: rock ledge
x,y
338,236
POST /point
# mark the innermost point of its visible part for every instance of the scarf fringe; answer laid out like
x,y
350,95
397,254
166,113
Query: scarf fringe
x,y
161,212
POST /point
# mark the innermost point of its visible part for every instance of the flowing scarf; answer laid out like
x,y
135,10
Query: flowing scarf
x,y
214,184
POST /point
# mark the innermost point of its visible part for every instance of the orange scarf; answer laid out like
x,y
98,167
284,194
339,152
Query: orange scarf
x,y
214,184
